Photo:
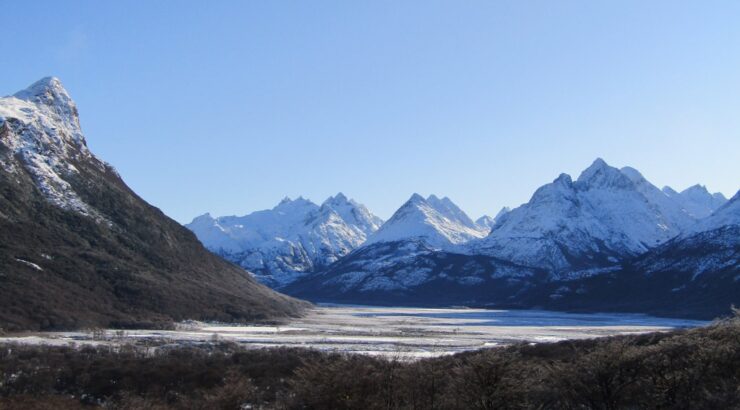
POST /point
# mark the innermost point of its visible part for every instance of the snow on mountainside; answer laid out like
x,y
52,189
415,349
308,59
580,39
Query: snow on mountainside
x,y
413,274
292,239
485,222
710,246
78,248
410,250
726,215
696,200
439,223
609,240
604,216
46,134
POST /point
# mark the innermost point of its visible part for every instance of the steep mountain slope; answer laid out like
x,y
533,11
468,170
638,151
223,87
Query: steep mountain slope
x,y
696,200
414,249
78,248
486,222
605,216
608,241
294,238
414,274
696,274
438,223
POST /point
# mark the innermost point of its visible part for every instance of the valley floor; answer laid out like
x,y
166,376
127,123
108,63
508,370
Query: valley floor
x,y
405,333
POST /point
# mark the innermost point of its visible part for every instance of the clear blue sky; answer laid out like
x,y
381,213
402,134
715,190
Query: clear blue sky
x,y
228,106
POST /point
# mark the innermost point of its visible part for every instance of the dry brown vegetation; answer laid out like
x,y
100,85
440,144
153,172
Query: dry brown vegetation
x,y
689,369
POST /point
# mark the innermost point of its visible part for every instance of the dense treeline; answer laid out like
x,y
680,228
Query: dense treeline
x,y
688,369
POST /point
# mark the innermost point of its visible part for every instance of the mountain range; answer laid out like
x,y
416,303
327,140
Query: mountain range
x,y
572,240
296,237
78,248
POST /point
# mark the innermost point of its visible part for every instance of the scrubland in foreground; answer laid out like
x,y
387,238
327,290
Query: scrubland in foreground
x,y
697,368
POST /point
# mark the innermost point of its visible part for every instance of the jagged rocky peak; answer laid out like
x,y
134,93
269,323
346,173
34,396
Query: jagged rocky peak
x,y
450,210
50,96
605,215
488,222
503,211
299,204
353,213
601,175
669,191
290,240
485,222
48,91
437,222
701,193
559,188
338,199
206,217
726,215
45,115
696,200
41,128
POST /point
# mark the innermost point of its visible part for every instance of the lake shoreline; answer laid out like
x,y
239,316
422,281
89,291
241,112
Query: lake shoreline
x,y
411,333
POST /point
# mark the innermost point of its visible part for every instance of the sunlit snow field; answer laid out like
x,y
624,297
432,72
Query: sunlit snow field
x,y
405,333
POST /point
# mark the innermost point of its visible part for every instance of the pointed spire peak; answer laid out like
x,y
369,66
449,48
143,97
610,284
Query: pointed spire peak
x,y
285,200
433,197
599,163
340,197
601,175
416,199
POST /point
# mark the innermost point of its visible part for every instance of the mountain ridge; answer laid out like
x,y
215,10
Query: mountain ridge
x,y
78,248
294,238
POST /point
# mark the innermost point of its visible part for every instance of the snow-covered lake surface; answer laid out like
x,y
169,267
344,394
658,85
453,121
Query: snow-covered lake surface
x,y
405,333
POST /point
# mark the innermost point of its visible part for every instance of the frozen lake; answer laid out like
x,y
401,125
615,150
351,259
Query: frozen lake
x,y
405,333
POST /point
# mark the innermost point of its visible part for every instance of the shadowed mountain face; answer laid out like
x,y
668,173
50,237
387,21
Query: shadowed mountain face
x,y
78,248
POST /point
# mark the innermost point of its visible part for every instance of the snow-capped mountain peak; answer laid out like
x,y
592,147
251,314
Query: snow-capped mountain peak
x,y
287,204
485,222
607,213
696,200
726,215
293,238
450,210
50,92
353,213
437,222
40,125
601,175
